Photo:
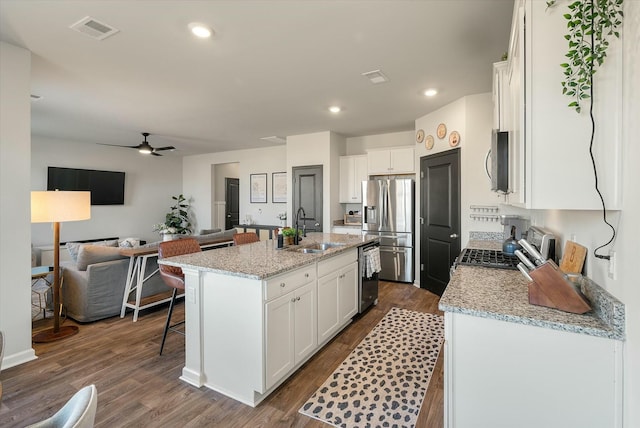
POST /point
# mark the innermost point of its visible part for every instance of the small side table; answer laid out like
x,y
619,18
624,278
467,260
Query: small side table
x,y
39,275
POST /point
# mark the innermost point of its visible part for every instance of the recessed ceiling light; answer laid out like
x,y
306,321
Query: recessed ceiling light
x,y
430,92
334,109
200,30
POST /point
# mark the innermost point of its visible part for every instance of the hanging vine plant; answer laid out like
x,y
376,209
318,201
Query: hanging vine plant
x,y
591,23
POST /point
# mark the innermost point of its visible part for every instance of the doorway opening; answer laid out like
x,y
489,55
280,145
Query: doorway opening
x,y
225,209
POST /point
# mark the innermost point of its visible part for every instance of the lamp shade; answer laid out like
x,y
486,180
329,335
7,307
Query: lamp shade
x,y
60,206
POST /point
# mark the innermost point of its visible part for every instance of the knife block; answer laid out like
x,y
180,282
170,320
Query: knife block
x,y
549,288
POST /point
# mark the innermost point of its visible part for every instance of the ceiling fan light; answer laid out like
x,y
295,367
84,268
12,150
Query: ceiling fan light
x,y
145,150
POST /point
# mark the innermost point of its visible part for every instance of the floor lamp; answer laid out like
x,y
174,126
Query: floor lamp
x,y
55,207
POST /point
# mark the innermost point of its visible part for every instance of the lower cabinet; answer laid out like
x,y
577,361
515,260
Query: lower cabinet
x,y
337,294
290,331
504,374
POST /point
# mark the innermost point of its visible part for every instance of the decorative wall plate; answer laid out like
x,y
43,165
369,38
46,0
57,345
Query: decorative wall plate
x,y
454,138
441,131
420,136
428,142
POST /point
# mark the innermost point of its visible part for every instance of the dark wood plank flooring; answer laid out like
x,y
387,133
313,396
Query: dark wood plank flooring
x,y
139,388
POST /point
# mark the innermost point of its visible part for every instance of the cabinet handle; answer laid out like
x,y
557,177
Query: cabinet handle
x,y
293,300
282,284
306,275
298,299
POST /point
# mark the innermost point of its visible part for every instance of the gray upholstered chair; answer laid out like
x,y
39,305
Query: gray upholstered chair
x,y
79,412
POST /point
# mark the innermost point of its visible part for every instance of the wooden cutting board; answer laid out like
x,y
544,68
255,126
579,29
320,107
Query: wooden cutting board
x,y
573,257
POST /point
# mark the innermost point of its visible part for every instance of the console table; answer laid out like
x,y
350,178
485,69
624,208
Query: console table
x,y
136,275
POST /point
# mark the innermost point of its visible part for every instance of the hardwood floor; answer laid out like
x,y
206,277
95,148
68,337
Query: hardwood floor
x,y
138,388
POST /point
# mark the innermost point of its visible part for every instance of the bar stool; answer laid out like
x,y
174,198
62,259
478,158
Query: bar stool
x,y
245,238
173,276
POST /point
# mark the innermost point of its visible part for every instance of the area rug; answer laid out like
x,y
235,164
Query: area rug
x,y
385,378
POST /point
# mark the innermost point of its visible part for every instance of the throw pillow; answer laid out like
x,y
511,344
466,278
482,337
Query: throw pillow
x,y
90,254
74,247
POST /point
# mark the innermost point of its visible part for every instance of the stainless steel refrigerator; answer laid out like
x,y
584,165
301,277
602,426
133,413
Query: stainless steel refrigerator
x,y
387,211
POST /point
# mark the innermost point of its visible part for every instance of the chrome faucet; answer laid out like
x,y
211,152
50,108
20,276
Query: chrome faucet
x,y
296,237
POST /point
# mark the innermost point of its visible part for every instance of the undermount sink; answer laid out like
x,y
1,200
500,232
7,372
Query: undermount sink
x,y
316,247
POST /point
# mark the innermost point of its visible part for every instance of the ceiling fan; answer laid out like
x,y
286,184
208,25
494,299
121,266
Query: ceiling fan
x,y
145,147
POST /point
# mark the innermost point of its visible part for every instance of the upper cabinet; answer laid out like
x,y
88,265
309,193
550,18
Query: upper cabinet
x,y
500,96
550,164
353,171
391,161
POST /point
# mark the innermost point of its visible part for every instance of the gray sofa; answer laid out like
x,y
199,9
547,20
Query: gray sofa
x,y
94,281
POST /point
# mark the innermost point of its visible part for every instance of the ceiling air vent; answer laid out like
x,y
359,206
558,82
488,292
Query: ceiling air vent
x,y
376,76
94,28
275,139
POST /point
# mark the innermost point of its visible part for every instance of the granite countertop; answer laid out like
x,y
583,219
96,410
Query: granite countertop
x,y
261,260
502,294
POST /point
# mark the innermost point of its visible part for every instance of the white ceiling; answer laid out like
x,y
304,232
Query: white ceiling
x,y
272,67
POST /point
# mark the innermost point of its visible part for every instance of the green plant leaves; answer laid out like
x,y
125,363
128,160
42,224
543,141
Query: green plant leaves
x,y
587,20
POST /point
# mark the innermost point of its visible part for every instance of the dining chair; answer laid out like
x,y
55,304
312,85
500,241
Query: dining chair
x,y
78,412
173,276
245,238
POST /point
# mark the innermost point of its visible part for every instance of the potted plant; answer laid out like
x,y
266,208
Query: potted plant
x,y
288,234
176,220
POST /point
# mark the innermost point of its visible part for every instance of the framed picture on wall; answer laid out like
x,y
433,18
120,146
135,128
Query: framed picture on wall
x,y
258,190
279,187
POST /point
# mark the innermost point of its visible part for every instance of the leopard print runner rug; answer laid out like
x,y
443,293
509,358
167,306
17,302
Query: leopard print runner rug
x,y
382,383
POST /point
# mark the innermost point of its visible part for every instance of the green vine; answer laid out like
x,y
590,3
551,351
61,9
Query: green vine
x,y
590,23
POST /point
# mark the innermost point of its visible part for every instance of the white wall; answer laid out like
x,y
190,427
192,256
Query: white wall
x,y
15,251
197,181
321,148
150,181
360,145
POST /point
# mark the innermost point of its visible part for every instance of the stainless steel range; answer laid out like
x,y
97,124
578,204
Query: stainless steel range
x,y
487,258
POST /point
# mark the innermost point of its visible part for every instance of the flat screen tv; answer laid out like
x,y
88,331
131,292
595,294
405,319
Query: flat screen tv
x,y
106,187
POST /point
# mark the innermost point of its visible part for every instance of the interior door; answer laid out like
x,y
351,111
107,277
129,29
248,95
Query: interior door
x,y
307,193
232,202
440,214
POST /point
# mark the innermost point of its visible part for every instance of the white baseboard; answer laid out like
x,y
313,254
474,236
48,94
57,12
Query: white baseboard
x,y
18,358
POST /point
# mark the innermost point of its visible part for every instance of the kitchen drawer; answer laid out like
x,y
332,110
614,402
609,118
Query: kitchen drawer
x,y
328,266
282,284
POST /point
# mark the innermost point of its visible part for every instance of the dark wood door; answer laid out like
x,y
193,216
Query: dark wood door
x,y
440,218
307,193
232,202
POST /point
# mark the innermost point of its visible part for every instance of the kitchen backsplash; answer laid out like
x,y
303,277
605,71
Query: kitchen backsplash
x,y
486,236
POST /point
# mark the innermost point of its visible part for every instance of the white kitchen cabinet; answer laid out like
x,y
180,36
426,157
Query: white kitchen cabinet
x,y
290,331
500,96
391,161
337,293
505,374
549,142
353,171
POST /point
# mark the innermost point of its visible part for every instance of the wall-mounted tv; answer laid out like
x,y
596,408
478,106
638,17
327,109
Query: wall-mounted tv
x,y
106,187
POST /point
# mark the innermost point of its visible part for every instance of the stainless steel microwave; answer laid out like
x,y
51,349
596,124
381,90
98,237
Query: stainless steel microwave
x,y
500,161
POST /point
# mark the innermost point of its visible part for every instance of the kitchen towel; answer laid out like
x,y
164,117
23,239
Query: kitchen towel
x,y
372,261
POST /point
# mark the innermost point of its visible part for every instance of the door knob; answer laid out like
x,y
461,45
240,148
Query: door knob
x,y
453,235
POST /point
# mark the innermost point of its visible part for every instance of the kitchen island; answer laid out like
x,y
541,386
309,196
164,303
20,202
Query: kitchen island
x,y
254,313
510,363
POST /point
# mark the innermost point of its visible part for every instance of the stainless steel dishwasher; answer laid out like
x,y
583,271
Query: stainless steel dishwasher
x,y
367,287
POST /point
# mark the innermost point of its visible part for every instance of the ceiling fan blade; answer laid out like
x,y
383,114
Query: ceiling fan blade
x,y
164,148
156,154
117,145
